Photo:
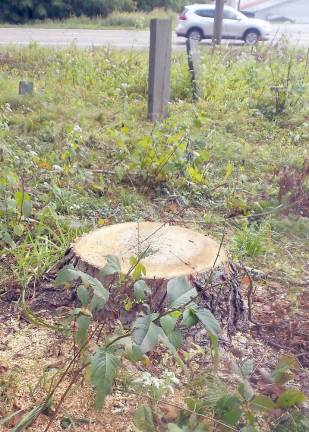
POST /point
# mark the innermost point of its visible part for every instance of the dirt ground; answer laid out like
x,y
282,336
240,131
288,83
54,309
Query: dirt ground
x,y
30,356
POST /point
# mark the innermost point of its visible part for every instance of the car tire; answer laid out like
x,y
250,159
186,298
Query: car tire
x,y
195,33
251,37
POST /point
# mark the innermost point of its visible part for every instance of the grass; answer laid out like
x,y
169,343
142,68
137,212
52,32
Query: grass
x,y
83,151
80,153
116,20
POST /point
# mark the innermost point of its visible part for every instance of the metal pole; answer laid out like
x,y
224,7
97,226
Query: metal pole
x,y
192,47
218,21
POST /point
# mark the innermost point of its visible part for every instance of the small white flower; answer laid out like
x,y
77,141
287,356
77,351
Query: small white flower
x,y
57,168
77,128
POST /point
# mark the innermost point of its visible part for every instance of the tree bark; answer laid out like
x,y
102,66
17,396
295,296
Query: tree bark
x,y
166,252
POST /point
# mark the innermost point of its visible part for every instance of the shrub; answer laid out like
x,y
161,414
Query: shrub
x,y
20,11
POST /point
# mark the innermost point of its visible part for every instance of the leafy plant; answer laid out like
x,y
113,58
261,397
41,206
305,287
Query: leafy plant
x,y
147,331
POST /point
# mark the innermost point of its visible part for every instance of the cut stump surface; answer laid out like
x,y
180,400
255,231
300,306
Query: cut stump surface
x,y
170,251
166,251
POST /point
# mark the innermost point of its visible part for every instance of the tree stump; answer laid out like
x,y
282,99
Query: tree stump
x,y
168,251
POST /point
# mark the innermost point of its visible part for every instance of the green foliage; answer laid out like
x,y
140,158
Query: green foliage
x,y
99,294
112,266
104,366
30,417
141,290
244,407
21,11
228,409
152,4
145,332
290,398
143,419
252,240
81,153
179,292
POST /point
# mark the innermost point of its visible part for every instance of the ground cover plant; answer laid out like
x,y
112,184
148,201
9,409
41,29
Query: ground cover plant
x,y
27,11
80,153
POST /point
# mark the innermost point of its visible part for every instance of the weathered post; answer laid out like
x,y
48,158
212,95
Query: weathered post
x,y
159,68
25,87
194,65
217,33
233,3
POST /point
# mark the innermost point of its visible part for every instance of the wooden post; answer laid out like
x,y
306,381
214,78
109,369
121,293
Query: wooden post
x,y
233,3
217,33
25,87
159,68
194,65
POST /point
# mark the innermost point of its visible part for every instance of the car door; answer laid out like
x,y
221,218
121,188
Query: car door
x,y
232,26
206,20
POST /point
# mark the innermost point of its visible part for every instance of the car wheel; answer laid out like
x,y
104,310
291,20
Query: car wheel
x,y
195,34
252,37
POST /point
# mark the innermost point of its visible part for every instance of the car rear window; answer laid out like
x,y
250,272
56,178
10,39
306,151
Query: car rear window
x,y
206,13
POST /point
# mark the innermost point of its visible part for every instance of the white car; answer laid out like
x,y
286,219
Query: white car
x,y
197,22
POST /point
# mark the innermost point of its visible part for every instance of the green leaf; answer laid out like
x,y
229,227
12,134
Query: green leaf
x,y
215,390
168,323
209,322
27,208
197,405
145,332
100,295
104,366
18,229
6,238
20,197
236,369
141,290
213,328
112,266
228,409
246,390
175,338
169,345
290,397
189,318
282,373
138,268
66,276
83,322
247,367
143,419
30,417
179,292
228,170
263,403
83,295
134,353
289,360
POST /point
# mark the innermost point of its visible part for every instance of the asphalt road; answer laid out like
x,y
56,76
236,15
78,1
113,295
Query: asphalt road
x,y
122,39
